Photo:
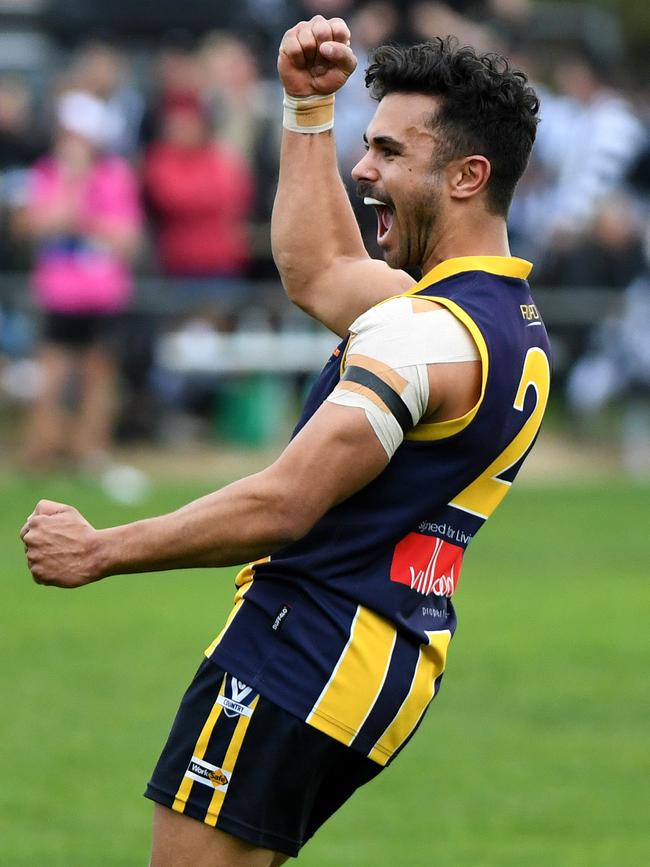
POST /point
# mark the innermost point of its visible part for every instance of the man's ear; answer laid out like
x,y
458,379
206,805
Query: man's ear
x,y
468,177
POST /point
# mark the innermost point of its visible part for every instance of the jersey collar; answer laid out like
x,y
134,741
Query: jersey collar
x,y
502,266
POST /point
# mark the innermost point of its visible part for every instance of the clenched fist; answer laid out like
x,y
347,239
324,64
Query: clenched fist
x,y
315,57
61,546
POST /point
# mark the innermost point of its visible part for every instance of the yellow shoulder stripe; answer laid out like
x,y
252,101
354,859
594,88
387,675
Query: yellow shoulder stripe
x,y
501,266
443,429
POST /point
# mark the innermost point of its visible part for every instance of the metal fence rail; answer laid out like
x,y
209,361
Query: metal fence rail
x,y
270,334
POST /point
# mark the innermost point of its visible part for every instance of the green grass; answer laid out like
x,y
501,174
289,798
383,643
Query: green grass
x,y
535,752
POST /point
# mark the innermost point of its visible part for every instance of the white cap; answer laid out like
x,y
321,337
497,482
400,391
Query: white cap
x,y
87,116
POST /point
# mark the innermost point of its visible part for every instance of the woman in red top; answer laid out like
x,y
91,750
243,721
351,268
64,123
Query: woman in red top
x,y
201,195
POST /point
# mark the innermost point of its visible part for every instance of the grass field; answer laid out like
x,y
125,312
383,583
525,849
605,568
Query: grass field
x,y
535,753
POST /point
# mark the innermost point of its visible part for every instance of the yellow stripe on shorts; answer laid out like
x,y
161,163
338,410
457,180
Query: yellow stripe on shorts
x,y
185,787
228,764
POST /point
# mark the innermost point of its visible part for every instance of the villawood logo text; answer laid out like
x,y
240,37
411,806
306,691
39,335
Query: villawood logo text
x,y
427,564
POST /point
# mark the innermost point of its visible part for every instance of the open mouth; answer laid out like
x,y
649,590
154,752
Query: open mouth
x,y
385,216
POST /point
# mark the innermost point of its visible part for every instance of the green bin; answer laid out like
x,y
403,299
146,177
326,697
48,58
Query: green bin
x,y
252,410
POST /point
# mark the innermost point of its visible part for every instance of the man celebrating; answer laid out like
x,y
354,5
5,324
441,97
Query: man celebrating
x,y
409,440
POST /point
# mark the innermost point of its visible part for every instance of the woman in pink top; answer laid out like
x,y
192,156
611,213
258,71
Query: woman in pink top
x,y
84,215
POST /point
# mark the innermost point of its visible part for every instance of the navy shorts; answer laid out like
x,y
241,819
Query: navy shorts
x,y
78,331
236,761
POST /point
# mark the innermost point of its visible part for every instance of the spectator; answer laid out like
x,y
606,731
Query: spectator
x,y
21,143
587,142
243,113
200,193
610,254
84,216
232,90
617,366
176,75
101,69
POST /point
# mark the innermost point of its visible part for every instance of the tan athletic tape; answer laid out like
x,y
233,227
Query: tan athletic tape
x,y
308,114
357,388
383,371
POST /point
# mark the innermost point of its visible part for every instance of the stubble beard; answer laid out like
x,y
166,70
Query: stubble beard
x,y
419,236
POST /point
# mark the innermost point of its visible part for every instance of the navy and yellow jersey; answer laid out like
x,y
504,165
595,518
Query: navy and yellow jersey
x,y
349,627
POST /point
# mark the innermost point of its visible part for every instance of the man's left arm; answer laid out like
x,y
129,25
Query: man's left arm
x,y
336,454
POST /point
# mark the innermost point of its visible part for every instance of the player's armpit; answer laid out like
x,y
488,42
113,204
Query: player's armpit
x,y
338,294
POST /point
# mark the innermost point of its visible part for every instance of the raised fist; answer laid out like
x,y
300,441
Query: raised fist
x,y
60,546
315,57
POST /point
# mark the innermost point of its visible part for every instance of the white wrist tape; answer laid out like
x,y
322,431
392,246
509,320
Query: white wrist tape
x,y
308,114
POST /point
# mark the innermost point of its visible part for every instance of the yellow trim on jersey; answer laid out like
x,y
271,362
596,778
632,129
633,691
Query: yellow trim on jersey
x,y
483,495
228,764
357,679
246,575
239,598
442,429
430,665
185,787
243,582
500,266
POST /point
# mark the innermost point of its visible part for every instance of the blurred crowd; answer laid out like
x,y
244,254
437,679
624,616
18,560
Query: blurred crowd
x,y
163,161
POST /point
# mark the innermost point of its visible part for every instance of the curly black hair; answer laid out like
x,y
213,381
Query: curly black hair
x,y
486,107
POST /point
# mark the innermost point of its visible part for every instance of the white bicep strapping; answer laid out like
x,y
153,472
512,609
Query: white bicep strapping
x,y
386,363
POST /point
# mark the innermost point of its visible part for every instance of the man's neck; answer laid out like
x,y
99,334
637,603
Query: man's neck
x,y
487,236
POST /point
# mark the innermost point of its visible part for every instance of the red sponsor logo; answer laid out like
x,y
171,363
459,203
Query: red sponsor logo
x,y
427,564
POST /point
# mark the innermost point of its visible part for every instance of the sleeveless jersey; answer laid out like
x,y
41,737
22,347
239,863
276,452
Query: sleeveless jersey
x,y
348,628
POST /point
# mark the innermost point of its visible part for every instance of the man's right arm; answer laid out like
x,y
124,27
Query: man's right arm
x,y
317,244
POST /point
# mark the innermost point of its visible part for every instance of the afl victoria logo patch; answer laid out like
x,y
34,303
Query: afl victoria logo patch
x,y
237,698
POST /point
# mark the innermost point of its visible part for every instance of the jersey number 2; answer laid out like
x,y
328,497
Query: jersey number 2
x,y
484,494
